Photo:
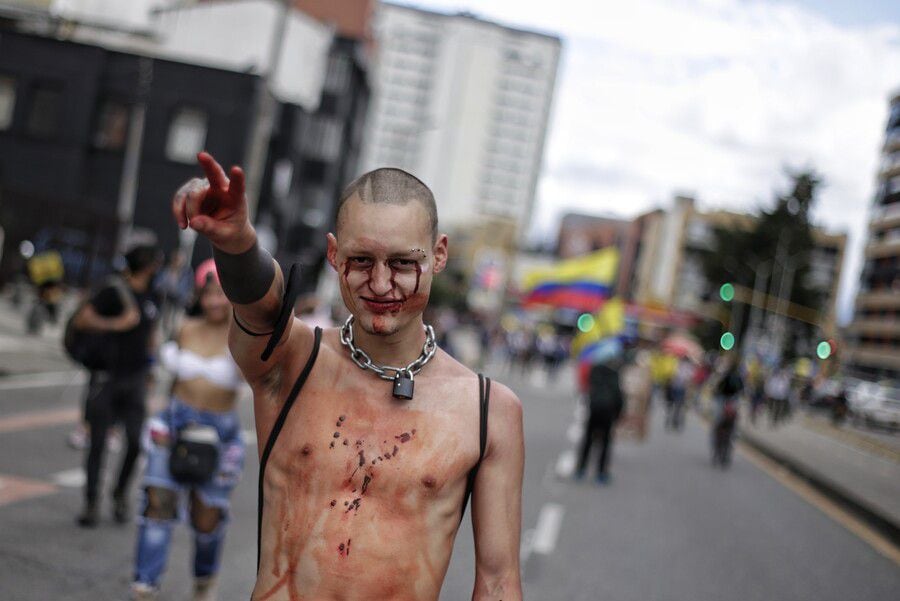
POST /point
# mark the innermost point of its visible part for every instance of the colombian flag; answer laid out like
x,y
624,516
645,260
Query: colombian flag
x,y
602,341
582,283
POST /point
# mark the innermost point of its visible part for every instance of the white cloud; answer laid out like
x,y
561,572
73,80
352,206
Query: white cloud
x,y
712,97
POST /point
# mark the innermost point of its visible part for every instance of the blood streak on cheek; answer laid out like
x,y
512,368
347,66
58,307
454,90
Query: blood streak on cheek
x,y
418,277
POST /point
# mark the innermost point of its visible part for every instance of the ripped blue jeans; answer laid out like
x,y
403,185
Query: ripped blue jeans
x,y
154,534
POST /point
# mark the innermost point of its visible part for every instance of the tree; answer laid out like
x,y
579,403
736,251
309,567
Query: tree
x,y
778,247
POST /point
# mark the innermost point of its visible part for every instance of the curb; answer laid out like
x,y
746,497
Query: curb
x,y
845,498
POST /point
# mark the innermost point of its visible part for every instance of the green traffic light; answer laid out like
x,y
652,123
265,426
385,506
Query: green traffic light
x,y
726,292
823,350
585,322
727,341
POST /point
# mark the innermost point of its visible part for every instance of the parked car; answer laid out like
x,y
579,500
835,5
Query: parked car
x,y
861,395
826,394
880,409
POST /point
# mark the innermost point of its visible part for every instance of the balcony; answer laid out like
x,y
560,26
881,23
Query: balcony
x,y
885,216
883,248
874,355
890,167
886,299
880,326
892,141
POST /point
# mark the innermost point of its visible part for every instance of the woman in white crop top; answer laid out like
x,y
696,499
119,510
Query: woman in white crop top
x,y
203,408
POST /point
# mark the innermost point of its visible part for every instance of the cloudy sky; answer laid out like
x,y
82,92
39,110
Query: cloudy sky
x,y
713,98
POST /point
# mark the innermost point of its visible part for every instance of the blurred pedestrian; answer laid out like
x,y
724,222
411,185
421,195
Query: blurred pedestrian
x,y
778,392
128,311
725,419
605,404
46,273
173,285
756,386
202,407
676,391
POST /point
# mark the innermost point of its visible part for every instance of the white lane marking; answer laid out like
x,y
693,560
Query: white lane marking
x,y
581,413
565,464
57,378
73,478
574,433
526,547
546,532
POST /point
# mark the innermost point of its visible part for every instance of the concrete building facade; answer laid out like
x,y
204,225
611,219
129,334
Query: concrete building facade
x,y
873,338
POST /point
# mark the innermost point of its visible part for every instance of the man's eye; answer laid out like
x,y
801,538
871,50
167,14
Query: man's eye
x,y
403,264
360,261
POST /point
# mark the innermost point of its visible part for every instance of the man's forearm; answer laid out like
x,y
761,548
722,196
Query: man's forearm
x,y
252,282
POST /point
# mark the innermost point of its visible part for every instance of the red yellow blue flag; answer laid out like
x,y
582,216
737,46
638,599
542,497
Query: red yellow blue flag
x,y
583,283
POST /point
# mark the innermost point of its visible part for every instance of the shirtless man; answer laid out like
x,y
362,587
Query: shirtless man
x,y
362,492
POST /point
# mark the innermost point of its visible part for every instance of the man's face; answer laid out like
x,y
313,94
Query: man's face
x,y
385,261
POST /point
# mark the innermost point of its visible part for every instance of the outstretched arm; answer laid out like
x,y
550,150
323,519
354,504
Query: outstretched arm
x,y
216,208
497,502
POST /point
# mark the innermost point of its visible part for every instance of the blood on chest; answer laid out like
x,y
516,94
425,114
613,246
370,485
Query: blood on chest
x,y
350,460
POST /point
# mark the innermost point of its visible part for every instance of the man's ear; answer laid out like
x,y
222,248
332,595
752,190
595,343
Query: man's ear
x,y
331,252
440,253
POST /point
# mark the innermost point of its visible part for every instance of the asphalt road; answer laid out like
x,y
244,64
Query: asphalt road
x,y
667,527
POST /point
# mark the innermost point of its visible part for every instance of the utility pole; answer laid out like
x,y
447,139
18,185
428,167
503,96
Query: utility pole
x,y
131,163
266,105
756,310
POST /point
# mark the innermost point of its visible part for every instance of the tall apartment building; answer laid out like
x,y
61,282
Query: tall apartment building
x,y
462,103
873,341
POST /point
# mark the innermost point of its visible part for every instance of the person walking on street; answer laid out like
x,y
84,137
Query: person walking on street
x,y
173,284
676,391
724,422
778,391
605,404
128,312
203,403
363,482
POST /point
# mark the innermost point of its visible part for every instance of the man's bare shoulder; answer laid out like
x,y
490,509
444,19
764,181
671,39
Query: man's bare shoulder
x,y
504,403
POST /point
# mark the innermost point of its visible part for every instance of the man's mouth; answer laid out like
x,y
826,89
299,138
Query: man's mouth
x,y
382,306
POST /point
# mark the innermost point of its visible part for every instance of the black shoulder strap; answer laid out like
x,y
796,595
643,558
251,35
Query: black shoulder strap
x,y
288,299
484,394
276,430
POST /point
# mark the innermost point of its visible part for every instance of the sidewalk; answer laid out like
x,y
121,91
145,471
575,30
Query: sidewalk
x,y
22,353
862,473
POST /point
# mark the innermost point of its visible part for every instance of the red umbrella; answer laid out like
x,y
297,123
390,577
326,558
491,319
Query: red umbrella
x,y
683,345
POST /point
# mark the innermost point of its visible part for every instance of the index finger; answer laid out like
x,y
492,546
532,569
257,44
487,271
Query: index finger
x,y
214,172
236,187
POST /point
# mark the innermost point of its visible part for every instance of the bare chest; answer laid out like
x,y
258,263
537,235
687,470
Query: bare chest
x,y
347,447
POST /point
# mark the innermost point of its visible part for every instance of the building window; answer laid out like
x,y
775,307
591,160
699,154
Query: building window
x,y
322,138
112,126
187,135
7,101
43,112
337,77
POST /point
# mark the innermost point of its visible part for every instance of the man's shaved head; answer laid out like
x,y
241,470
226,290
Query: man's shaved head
x,y
392,186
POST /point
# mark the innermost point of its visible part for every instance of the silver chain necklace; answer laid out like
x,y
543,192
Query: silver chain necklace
x,y
402,376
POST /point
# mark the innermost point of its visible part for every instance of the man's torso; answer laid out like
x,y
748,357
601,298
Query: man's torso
x,y
363,492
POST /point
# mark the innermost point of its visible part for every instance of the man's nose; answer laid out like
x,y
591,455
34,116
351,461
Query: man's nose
x,y
380,283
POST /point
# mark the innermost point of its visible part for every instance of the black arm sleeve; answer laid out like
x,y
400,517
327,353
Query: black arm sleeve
x,y
245,277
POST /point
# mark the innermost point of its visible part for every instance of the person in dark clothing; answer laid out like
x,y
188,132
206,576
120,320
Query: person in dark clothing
x,y
728,393
606,401
127,310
